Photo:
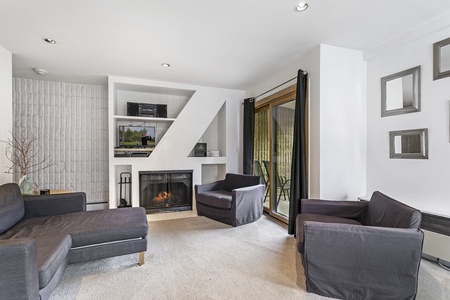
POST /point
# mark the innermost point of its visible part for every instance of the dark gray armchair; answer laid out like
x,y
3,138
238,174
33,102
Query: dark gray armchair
x,y
236,200
360,249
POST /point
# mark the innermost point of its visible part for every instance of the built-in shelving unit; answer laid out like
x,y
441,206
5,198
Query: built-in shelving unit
x,y
194,115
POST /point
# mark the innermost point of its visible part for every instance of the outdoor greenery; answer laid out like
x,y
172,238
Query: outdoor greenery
x,y
134,137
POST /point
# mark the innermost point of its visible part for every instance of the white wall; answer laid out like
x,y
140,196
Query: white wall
x,y
311,64
6,110
342,123
423,184
337,119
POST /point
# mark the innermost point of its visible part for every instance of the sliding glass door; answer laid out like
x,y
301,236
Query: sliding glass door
x,y
262,151
273,152
283,133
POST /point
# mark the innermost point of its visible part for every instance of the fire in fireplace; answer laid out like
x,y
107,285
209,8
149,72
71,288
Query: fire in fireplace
x,y
165,190
162,196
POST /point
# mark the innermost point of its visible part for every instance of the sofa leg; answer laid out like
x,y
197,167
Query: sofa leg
x,y
141,258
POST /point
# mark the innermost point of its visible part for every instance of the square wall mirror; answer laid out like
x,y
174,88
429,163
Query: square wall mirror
x,y
400,93
441,59
410,144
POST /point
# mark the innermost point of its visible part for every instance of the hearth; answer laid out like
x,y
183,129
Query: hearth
x,y
165,190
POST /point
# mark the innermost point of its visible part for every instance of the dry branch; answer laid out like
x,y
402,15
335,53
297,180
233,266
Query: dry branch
x,y
22,154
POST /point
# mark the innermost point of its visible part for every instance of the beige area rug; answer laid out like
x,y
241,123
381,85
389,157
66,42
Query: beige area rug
x,y
198,258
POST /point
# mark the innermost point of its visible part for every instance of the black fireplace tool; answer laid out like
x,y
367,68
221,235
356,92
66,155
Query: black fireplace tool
x,y
125,189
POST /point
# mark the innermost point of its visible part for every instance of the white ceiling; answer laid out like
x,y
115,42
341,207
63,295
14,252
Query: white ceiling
x,y
229,44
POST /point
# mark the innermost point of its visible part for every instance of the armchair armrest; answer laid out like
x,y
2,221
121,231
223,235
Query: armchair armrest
x,y
249,191
344,209
18,266
365,260
201,188
48,205
250,198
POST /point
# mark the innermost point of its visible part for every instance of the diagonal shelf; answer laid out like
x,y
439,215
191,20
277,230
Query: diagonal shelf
x,y
130,118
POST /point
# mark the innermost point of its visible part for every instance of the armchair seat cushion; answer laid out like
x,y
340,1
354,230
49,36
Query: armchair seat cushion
x,y
218,199
302,218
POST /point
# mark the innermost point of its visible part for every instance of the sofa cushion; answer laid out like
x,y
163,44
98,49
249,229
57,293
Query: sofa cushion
x,y
384,211
102,226
302,218
52,252
11,206
235,181
87,227
218,199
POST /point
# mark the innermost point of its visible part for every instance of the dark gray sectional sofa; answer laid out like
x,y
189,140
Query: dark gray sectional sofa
x,y
41,235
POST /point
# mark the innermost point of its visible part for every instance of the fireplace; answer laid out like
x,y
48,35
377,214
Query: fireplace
x,y
165,190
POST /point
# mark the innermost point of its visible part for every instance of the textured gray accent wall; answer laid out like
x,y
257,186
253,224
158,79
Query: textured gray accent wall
x,y
70,122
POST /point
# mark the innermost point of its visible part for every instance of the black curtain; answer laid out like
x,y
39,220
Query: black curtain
x,y
249,134
299,180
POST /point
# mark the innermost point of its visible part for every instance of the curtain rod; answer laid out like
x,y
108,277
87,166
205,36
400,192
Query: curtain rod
x,y
275,87
304,72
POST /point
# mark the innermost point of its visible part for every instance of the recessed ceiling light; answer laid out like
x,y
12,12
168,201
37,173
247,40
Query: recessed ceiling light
x,y
40,71
50,41
165,65
301,6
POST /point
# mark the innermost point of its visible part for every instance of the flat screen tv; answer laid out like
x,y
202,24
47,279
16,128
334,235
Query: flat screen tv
x,y
137,136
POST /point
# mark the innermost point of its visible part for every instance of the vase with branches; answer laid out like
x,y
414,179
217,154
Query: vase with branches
x,y
23,155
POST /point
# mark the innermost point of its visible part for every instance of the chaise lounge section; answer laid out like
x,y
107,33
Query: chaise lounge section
x,y
40,236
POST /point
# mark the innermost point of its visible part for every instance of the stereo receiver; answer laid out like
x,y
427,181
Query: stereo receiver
x,y
146,110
